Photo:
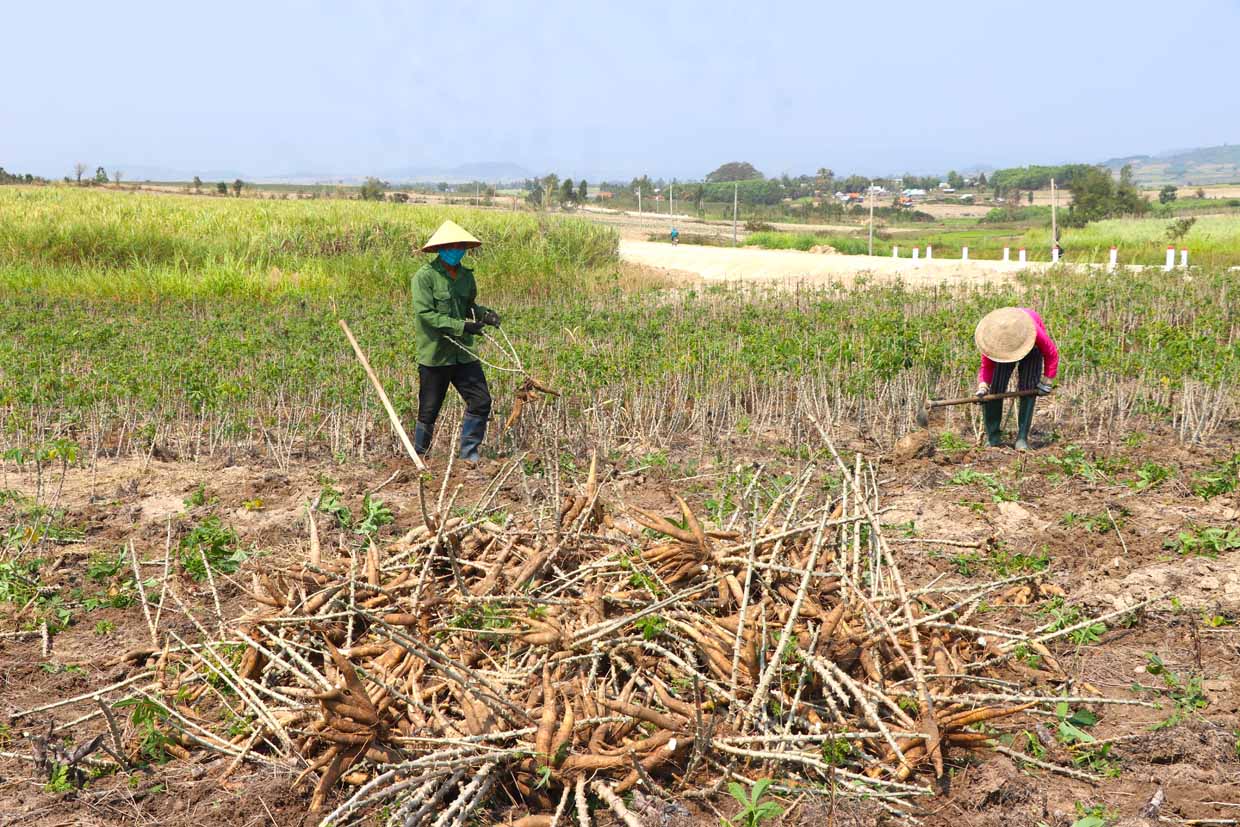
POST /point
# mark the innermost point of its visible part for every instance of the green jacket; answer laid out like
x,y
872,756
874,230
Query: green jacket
x,y
441,304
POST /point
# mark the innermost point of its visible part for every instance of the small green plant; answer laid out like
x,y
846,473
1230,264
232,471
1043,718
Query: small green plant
x,y
1150,475
104,628
1073,463
651,626
1070,729
58,780
1214,621
950,442
146,715
1187,695
754,811
1097,815
210,543
1223,478
375,515
1063,617
197,498
836,751
103,567
998,491
1204,542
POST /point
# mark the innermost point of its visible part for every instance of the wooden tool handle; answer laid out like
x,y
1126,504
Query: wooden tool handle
x,y
387,406
990,397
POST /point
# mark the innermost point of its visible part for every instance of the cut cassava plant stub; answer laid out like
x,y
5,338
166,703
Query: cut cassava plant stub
x,y
1006,334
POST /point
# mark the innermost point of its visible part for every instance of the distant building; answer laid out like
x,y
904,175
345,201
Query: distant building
x,y
603,195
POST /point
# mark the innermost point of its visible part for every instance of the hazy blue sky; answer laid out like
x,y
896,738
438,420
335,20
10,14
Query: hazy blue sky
x,y
671,88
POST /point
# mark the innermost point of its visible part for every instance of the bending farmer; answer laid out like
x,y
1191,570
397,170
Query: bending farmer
x,y
1013,338
447,319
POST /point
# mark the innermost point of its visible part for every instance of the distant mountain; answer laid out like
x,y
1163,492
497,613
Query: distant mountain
x,y
1188,167
489,171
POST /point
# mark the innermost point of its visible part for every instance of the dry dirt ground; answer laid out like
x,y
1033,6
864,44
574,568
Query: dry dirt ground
x,y
1104,543
750,264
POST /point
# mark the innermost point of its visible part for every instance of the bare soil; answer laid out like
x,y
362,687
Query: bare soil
x,y
1105,543
790,267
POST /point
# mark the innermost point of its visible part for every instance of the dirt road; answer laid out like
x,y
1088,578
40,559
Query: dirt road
x,y
749,264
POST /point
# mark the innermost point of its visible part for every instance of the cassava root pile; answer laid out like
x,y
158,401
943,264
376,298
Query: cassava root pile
x,y
591,648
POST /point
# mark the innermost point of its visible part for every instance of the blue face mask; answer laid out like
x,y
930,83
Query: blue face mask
x,y
452,257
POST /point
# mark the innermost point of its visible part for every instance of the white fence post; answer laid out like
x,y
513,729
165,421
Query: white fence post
x,y
1007,253
929,252
895,251
916,253
964,253
1170,257
1022,255
1114,258
1054,255
1184,257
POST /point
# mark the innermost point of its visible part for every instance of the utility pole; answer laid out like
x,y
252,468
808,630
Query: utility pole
x,y
1054,216
735,190
871,218
671,200
639,203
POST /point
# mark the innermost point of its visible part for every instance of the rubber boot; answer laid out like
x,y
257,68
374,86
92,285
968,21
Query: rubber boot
x,y
992,417
422,439
473,430
1024,421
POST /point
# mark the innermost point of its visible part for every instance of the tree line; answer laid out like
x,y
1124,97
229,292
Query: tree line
x,y
7,177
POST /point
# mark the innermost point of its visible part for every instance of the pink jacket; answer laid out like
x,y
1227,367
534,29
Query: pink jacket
x,y
1045,345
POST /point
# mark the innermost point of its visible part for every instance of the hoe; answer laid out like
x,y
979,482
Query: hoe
x,y
923,416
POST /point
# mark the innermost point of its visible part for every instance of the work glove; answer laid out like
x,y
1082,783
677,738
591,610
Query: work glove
x,y
473,327
490,318
983,389
1044,386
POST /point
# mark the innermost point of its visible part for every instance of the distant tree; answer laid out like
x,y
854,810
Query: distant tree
x,y
101,175
372,189
1201,193
583,191
535,193
79,169
955,180
1179,228
855,183
237,185
551,189
981,180
116,176
824,178
1029,196
1128,199
1168,194
734,171
567,194
197,183
221,188
1095,195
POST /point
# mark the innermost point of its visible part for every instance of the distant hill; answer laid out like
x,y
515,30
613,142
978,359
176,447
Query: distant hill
x,y
1207,165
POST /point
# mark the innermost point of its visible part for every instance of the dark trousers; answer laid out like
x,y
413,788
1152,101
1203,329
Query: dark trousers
x,y
1028,372
470,382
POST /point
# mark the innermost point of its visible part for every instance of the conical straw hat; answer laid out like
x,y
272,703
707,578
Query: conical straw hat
x,y
450,233
1006,334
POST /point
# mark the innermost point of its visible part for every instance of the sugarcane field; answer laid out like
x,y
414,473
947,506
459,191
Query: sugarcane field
x,y
349,476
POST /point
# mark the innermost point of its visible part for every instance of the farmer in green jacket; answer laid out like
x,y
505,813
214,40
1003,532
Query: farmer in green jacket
x,y
448,319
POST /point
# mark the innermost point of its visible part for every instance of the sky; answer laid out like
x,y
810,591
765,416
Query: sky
x,y
270,88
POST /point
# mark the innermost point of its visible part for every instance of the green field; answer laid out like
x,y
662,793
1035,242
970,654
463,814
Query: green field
x,y
134,320
84,242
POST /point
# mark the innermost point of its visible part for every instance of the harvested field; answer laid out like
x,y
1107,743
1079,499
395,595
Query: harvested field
x,y
721,556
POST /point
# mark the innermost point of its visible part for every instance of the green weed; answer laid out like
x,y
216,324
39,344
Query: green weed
x,y
754,811
210,543
1204,542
